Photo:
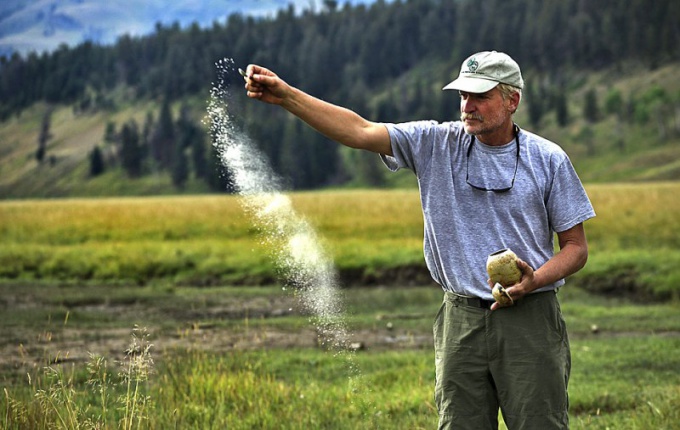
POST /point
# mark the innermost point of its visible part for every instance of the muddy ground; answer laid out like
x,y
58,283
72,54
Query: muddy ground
x,y
236,325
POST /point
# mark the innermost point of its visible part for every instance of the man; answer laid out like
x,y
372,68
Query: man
x,y
485,184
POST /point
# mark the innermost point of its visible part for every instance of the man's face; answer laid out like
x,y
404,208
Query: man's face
x,y
485,113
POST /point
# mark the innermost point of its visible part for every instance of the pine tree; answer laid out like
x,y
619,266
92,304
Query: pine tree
x,y
218,177
97,166
192,137
130,150
44,136
180,168
591,111
163,138
535,106
561,108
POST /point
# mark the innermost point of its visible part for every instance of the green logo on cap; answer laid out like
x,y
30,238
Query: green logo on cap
x,y
472,65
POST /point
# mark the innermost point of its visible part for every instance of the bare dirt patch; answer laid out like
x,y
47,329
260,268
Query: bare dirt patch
x,y
236,324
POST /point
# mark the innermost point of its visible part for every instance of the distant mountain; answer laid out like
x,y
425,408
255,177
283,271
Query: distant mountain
x,y
43,25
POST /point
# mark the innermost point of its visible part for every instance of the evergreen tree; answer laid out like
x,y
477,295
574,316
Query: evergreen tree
x,y
293,153
561,108
131,159
591,111
192,137
44,136
97,166
180,168
355,56
218,177
535,105
162,141
448,106
198,157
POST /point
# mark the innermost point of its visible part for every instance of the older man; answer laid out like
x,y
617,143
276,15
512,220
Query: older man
x,y
485,184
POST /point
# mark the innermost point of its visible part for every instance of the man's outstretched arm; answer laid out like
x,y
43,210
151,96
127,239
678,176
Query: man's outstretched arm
x,y
335,122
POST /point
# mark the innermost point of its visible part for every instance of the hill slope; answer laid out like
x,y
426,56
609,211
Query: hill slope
x,y
611,101
606,150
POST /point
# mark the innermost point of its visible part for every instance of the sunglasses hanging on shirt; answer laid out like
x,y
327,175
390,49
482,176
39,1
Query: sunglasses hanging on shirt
x,y
484,188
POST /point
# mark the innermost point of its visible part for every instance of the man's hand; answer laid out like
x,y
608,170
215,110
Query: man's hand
x,y
335,122
523,287
265,85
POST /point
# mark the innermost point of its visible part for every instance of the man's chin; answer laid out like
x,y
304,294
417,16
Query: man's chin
x,y
470,129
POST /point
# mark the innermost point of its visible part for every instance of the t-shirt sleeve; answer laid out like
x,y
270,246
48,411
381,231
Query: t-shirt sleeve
x,y
407,140
568,203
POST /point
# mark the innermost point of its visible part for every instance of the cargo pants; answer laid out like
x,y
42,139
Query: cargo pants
x,y
516,359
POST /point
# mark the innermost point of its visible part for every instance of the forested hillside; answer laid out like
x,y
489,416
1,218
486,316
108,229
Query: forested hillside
x,y
599,75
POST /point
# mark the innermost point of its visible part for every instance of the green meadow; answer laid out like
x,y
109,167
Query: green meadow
x,y
169,312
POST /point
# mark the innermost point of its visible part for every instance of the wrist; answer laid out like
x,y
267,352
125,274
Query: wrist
x,y
538,281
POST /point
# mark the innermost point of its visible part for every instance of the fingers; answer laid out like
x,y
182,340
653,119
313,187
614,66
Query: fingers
x,y
520,289
257,74
264,85
253,69
257,78
524,267
253,88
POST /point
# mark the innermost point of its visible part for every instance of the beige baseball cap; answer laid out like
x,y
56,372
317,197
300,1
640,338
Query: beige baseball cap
x,y
484,70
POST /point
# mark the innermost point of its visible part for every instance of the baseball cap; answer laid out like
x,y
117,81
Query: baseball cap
x,y
482,71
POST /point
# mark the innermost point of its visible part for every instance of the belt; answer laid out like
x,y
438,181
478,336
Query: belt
x,y
474,302
479,303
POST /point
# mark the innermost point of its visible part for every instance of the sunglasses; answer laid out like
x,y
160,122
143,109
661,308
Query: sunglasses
x,y
495,190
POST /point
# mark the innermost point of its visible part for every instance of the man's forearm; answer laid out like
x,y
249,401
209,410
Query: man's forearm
x,y
570,259
338,123
566,262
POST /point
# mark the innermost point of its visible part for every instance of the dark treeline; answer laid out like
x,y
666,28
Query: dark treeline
x,y
363,57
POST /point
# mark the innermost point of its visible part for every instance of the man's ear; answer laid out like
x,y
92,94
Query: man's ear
x,y
513,102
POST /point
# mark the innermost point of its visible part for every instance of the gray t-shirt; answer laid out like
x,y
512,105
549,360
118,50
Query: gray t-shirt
x,y
463,225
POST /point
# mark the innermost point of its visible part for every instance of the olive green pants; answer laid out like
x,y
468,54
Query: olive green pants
x,y
515,358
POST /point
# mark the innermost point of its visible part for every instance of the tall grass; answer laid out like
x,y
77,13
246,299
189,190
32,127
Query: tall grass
x,y
209,240
624,376
60,399
616,384
635,216
634,241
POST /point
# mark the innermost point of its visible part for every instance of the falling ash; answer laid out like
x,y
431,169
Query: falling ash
x,y
304,264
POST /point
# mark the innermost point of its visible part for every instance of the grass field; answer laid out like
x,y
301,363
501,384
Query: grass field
x,y
78,275
208,240
245,357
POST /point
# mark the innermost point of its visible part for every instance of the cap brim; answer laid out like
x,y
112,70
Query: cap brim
x,y
471,85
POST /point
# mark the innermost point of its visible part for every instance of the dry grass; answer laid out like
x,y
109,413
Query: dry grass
x,y
634,216
208,238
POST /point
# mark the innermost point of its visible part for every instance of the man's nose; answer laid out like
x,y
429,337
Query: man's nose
x,y
467,106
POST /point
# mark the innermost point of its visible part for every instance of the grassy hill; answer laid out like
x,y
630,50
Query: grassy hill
x,y
612,150
605,150
65,171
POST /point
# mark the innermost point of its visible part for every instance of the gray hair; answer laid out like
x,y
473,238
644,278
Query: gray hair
x,y
508,90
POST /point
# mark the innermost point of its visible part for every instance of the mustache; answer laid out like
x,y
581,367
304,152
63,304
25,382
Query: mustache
x,y
474,116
